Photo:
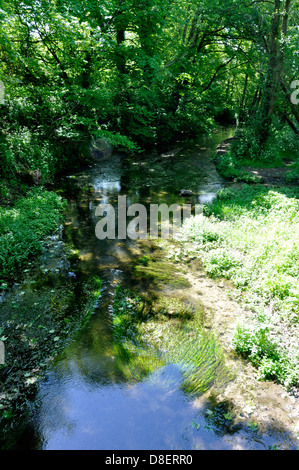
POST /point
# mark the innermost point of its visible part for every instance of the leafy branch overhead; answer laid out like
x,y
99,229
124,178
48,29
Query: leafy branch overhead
x,y
137,73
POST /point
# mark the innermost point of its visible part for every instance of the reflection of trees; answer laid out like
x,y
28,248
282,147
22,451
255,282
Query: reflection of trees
x,y
153,414
92,355
191,169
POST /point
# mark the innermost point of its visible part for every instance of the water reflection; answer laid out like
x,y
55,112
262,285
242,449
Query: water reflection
x,y
116,416
206,198
153,414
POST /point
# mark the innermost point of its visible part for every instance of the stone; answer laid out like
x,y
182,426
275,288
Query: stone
x,y
186,193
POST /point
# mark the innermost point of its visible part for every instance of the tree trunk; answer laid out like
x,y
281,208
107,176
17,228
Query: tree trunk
x,y
120,57
244,93
272,79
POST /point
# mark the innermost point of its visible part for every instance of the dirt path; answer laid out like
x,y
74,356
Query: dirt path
x,y
267,176
275,176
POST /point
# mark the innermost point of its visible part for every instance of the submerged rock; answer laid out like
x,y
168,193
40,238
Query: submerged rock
x,y
186,193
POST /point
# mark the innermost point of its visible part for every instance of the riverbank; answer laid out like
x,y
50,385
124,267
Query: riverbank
x,y
43,304
258,227
249,235
245,251
277,166
24,224
262,407
40,316
194,326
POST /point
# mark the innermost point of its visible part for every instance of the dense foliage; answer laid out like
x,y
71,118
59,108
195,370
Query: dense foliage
x,y
127,74
23,227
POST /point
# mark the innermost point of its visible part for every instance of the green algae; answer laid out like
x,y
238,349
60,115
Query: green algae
x,y
157,269
149,335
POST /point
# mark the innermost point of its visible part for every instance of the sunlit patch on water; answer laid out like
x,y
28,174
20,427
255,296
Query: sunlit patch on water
x,y
206,198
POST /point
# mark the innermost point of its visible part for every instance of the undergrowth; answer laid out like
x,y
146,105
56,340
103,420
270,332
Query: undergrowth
x,y
23,227
251,237
281,147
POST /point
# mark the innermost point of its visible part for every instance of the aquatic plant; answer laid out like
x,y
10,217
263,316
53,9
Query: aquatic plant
x,y
150,335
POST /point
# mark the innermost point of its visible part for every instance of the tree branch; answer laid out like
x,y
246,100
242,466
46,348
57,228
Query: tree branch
x,y
216,72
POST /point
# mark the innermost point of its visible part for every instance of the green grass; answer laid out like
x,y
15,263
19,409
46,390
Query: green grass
x,y
251,237
23,227
257,343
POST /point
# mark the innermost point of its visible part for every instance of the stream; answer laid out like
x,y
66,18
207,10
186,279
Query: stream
x,y
84,402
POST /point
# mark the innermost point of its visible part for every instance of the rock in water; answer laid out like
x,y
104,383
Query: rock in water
x,y
186,193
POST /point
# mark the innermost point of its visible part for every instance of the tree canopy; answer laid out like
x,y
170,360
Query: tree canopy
x,y
140,73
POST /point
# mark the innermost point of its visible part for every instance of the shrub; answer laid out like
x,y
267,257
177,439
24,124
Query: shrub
x,y
221,262
23,227
255,343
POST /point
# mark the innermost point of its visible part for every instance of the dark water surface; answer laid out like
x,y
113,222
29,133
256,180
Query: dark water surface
x,y
84,402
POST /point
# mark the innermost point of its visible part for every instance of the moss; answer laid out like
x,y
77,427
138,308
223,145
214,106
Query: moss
x,y
156,268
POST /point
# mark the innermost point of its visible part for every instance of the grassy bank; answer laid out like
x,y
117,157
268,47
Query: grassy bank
x,y
250,235
23,227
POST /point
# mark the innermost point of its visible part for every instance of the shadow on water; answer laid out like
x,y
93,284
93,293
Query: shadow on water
x,y
86,401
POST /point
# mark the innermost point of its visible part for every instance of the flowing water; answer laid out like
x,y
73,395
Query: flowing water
x,y
85,402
